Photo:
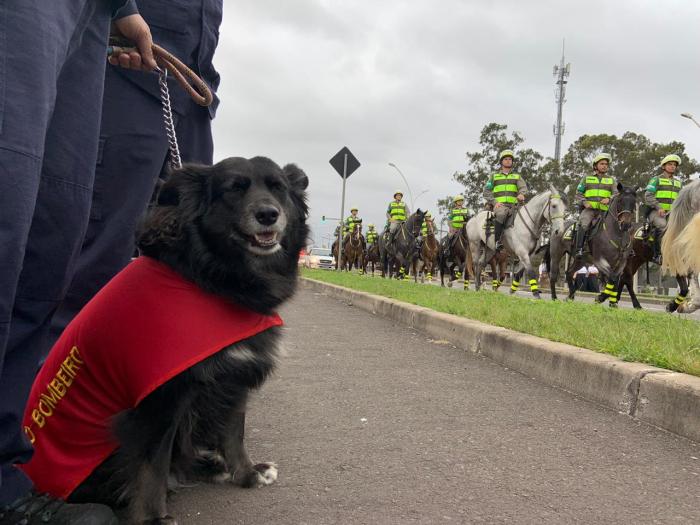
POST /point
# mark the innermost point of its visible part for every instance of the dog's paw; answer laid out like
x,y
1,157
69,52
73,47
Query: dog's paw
x,y
267,473
259,475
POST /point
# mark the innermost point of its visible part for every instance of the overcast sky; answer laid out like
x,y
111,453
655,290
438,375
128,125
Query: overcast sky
x,y
413,82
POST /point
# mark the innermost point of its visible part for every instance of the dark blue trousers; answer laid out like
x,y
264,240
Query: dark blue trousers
x,y
52,57
133,154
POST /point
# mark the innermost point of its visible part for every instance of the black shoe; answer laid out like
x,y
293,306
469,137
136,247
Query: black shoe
x,y
499,246
34,509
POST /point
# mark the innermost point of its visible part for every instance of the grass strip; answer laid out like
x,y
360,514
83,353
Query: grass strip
x,y
659,339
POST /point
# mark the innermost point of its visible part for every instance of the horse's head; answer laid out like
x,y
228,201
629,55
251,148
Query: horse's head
x,y
416,222
556,210
624,205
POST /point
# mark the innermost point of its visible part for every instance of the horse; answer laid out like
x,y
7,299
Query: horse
x,y
609,241
427,258
498,264
520,239
453,256
401,246
354,249
680,245
372,256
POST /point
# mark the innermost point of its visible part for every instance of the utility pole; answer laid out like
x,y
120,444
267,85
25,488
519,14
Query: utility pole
x,y
561,73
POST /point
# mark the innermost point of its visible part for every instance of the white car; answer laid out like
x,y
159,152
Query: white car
x,y
320,258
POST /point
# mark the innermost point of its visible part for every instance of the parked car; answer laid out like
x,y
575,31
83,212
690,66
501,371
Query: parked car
x,y
320,258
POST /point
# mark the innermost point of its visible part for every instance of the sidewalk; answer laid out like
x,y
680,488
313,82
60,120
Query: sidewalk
x,y
373,423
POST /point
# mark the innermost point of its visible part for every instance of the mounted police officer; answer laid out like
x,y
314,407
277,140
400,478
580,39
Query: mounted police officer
x,y
458,214
350,222
427,226
593,195
371,236
503,191
660,194
396,213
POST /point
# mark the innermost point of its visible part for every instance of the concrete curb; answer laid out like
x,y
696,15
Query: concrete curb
x,y
662,398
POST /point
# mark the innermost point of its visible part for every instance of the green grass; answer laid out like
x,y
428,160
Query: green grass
x,y
658,339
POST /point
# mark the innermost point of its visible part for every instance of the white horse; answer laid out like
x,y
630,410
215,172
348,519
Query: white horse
x,y
520,239
680,245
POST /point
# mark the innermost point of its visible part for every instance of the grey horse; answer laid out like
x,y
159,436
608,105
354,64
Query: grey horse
x,y
609,244
520,239
680,245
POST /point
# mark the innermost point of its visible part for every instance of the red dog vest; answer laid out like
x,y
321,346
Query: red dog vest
x,y
145,327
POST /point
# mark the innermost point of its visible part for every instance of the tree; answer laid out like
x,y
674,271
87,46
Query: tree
x,y
635,158
493,139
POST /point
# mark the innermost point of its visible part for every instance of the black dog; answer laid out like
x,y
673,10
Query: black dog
x,y
235,229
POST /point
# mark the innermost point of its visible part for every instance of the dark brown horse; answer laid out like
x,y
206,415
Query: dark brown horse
x,y
426,261
643,252
372,257
454,254
354,249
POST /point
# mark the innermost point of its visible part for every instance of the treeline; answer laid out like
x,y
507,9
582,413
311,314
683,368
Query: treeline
x,y
635,161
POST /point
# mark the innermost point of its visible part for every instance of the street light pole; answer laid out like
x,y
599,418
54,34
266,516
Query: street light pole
x,y
421,193
689,116
408,186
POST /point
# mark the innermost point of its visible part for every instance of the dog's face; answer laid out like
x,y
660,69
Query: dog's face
x,y
252,204
242,221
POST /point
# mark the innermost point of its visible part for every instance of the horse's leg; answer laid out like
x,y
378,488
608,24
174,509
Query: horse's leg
x,y
531,274
691,304
515,282
570,273
627,280
495,282
681,296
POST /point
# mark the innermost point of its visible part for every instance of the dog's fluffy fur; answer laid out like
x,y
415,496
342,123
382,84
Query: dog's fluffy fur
x,y
235,229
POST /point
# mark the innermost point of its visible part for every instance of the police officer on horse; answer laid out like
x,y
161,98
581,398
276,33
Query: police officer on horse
x,y
593,195
350,222
371,236
660,194
396,213
503,191
458,215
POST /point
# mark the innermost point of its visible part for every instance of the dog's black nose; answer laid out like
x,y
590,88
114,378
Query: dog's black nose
x,y
267,215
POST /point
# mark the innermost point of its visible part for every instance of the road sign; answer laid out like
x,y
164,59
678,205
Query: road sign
x,y
338,162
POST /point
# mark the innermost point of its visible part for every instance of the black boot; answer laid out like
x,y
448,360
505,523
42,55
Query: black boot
x,y
580,241
35,509
497,234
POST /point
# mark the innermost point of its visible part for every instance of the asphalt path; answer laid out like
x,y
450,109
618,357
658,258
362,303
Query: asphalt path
x,y
373,423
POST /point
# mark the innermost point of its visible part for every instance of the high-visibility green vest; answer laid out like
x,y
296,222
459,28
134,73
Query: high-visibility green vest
x,y
372,236
667,192
397,211
350,223
424,228
597,189
458,216
505,187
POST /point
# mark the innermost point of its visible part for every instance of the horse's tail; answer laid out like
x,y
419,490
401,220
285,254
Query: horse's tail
x,y
675,253
686,249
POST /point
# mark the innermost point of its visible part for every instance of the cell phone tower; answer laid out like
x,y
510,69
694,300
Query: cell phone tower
x,y
561,73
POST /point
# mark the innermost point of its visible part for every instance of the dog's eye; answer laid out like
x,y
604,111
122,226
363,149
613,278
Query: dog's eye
x,y
240,185
275,185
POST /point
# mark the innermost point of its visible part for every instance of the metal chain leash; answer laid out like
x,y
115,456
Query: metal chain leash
x,y
175,160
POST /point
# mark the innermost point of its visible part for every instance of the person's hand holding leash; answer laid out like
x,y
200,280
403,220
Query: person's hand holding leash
x,y
134,28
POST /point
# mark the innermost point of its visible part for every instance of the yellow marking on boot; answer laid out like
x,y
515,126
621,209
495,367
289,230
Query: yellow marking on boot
x,y
533,285
514,285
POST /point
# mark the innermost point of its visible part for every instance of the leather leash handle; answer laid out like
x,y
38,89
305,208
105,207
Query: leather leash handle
x,y
195,86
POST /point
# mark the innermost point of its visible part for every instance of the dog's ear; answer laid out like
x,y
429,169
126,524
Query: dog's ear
x,y
185,186
298,182
296,176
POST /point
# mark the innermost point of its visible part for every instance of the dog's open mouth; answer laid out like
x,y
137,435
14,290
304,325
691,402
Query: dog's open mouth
x,y
266,241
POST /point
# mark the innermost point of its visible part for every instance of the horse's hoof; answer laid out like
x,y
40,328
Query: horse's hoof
x,y
639,307
612,305
537,295
672,307
449,285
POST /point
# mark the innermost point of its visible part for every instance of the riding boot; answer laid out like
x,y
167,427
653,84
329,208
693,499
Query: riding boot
x,y
498,228
580,241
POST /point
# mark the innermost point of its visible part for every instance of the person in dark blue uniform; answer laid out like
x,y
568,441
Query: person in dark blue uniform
x,y
134,147
52,62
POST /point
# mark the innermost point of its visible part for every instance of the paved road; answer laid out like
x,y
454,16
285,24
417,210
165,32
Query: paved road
x,y
373,423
